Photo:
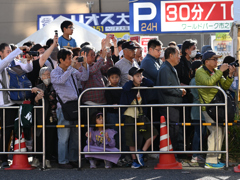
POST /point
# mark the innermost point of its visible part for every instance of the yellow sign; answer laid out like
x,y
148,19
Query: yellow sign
x,y
223,37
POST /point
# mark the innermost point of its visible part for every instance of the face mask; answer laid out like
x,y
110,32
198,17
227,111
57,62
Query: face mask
x,y
162,54
46,81
193,54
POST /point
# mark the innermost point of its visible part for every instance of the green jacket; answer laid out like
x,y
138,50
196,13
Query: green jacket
x,y
204,78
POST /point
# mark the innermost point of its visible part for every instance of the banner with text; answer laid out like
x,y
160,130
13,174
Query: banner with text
x,y
103,22
168,16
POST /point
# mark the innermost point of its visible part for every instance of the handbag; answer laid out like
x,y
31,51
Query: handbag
x,y
142,118
219,98
70,108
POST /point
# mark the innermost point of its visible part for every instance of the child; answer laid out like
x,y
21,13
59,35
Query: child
x,y
65,40
96,143
128,97
113,98
195,115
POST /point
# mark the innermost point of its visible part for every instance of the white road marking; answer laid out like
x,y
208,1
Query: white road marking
x,y
223,177
129,178
213,178
154,178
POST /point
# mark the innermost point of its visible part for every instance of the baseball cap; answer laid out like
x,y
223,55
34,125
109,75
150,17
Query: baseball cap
x,y
129,45
134,71
209,54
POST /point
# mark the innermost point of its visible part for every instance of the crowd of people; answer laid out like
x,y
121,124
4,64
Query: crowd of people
x,y
60,75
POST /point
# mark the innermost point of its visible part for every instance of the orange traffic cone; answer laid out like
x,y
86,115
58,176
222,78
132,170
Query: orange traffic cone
x,y
20,161
166,161
237,169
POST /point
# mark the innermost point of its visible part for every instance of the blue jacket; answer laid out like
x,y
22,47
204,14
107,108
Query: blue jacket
x,y
151,67
129,94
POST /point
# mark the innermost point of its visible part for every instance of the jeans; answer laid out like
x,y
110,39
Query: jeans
x,y
196,137
67,140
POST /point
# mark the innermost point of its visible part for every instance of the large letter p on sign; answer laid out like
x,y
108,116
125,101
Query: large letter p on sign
x,y
137,17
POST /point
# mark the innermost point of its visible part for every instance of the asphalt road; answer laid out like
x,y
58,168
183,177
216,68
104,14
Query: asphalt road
x,y
190,171
121,174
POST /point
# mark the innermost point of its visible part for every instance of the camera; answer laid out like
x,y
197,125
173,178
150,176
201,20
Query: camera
x,y
31,53
56,32
235,63
80,59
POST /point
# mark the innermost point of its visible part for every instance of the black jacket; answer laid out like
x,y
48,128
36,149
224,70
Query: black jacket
x,y
129,94
167,76
183,70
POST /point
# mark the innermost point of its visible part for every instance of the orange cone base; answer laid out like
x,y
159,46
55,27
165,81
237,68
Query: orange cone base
x,y
237,169
20,162
168,161
175,165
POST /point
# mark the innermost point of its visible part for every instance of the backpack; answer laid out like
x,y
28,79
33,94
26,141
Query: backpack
x,y
18,80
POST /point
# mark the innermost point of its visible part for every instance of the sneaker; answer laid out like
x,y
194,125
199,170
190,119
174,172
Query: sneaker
x,y
140,159
47,163
108,164
198,159
4,165
92,164
214,166
222,163
135,165
35,162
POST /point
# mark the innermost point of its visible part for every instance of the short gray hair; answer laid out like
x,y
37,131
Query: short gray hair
x,y
43,70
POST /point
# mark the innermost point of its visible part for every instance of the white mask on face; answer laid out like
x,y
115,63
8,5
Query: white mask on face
x,y
46,81
193,54
162,54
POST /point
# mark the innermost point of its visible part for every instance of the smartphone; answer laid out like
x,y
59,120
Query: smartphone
x,y
56,32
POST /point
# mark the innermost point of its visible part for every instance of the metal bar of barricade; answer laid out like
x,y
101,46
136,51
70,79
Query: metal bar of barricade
x,y
184,128
152,128
34,131
104,131
4,130
88,130
200,124
19,128
217,138
120,129
164,105
44,135
167,129
135,132
79,135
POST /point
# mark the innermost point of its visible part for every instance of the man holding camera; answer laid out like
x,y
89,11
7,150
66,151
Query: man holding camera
x,y
39,61
7,56
65,80
207,75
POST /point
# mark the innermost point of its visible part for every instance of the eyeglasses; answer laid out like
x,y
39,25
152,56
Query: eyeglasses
x,y
158,50
71,27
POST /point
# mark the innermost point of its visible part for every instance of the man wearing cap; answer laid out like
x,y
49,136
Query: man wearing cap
x,y
127,62
207,75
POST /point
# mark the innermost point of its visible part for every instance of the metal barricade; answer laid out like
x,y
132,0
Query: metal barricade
x,y
184,105
19,132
